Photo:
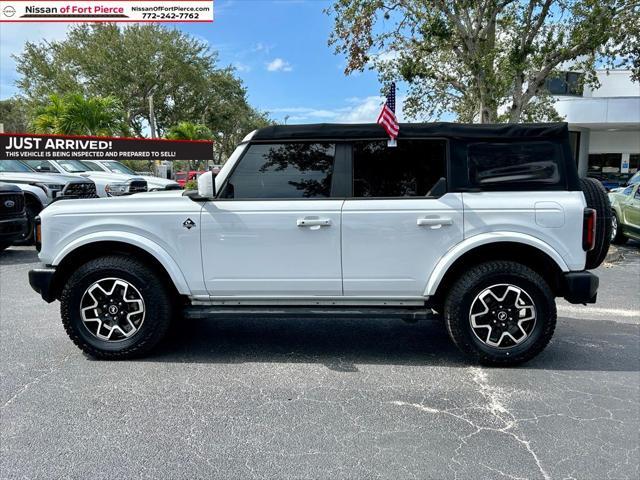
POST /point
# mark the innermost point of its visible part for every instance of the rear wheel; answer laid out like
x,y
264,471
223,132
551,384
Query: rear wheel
x,y
597,198
500,313
616,231
115,307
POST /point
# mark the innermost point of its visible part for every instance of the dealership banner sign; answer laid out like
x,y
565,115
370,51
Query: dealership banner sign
x,y
59,147
106,11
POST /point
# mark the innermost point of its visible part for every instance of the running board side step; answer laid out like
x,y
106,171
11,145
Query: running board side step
x,y
409,314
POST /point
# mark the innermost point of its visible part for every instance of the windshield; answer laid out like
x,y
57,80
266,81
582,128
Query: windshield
x,y
635,179
72,166
13,166
94,167
117,167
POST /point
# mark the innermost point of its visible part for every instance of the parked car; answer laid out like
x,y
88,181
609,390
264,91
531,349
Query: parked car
x,y
484,224
635,179
13,215
113,166
107,184
625,219
40,189
183,177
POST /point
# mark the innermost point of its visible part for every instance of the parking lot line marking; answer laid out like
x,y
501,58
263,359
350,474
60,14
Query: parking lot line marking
x,y
602,312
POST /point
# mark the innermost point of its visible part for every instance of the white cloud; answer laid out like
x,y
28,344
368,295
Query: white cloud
x,y
241,67
13,36
279,65
263,47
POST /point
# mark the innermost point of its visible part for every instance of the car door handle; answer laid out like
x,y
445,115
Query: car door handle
x,y
434,222
314,222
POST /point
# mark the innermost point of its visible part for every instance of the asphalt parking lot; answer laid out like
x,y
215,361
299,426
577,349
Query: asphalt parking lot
x,y
321,399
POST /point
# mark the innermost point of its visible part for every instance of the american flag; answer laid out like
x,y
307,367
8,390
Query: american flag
x,y
387,117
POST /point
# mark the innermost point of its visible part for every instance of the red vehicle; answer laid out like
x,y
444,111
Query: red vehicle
x,y
183,177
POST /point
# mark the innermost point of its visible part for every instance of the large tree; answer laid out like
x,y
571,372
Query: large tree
x,y
136,64
484,60
14,115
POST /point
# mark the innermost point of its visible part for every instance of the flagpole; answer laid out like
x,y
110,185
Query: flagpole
x,y
387,118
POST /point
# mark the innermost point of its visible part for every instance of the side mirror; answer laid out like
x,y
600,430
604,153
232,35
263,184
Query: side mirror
x,y
206,186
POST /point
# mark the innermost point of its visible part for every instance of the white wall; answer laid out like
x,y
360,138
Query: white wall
x,y
594,112
614,142
615,83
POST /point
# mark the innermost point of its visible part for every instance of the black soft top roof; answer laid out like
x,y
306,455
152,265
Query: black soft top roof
x,y
337,131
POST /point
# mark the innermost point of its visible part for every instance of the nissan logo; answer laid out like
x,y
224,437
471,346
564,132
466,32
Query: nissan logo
x,y
9,11
9,203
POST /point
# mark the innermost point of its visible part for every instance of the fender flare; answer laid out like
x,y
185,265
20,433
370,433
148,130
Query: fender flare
x,y
476,241
159,253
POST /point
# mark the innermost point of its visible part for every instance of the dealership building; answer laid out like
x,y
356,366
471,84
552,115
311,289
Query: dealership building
x,y
604,123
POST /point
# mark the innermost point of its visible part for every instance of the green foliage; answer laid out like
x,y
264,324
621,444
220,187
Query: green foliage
x,y
191,185
478,58
74,114
14,115
189,131
135,63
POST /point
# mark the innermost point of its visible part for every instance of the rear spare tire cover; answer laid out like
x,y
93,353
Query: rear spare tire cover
x,y
597,198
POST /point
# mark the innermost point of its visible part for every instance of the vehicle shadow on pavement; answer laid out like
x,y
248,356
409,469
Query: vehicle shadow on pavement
x,y
343,344
18,256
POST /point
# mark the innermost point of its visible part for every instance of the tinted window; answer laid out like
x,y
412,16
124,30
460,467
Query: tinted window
x,y
94,167
607,167
519,164
565,83
289,170
13,166
409,170
41,165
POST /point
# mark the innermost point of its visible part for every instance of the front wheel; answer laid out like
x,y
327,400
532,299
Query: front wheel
x,y
115,307
500,313
616,232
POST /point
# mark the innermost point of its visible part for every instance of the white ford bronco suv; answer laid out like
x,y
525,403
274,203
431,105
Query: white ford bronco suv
x,y
484,224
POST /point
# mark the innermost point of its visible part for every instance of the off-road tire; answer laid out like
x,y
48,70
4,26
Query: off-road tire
x,y
597,198
457,311
157,300
619,237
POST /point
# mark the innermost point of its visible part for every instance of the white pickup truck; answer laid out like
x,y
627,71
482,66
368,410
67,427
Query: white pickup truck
x,y
485,225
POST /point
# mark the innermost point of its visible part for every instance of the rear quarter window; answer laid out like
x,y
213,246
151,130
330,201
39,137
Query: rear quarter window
x,y
515,165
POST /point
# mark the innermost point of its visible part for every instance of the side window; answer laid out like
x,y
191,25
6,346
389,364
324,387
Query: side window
x,y
514,165
40,165
283,170
412,169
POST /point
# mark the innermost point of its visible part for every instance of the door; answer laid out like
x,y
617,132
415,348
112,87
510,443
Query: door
x,y
275,229
400,220
630,207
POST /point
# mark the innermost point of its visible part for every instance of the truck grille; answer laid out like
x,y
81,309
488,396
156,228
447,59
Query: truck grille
x,y
11,203
80,190
137,186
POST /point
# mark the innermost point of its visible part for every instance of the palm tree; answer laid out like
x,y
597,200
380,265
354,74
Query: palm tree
x,y
76,115
189,131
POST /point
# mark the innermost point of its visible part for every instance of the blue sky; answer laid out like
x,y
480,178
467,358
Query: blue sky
x,y
279,48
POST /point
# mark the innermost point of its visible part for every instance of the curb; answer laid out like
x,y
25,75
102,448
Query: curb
x,y
613,255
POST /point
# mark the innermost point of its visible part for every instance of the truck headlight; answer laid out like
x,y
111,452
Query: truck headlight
x,y
51,189
116,189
